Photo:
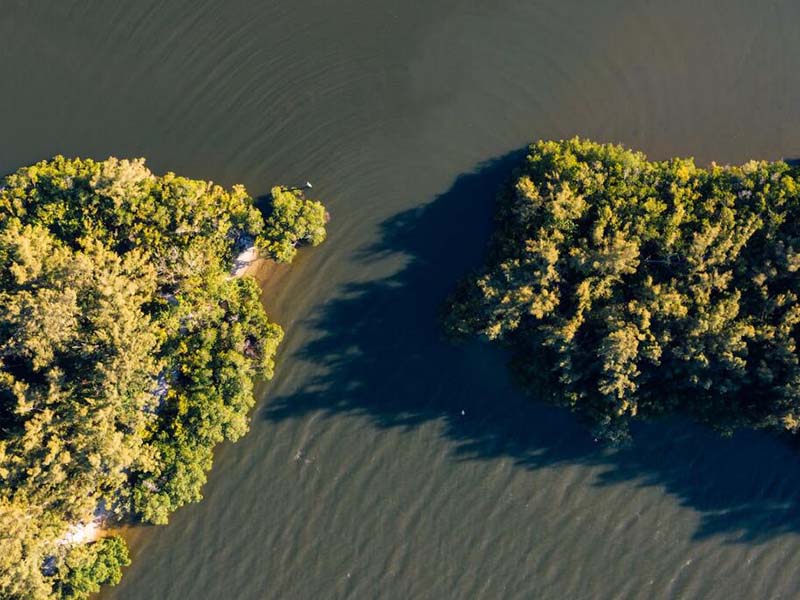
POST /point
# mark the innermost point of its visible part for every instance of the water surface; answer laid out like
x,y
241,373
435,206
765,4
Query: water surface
x,y
382,462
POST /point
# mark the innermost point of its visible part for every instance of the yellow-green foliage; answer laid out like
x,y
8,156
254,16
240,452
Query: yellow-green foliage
x,y
91,565
294,220
633,288
127,352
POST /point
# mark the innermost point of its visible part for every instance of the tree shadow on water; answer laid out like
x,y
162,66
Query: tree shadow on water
x,y
380,354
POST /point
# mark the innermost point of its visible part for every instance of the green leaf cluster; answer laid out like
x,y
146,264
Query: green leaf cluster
x,y
92,565
628,288
127,353
294,220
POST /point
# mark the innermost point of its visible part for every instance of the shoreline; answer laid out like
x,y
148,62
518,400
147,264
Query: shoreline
x,y
247,264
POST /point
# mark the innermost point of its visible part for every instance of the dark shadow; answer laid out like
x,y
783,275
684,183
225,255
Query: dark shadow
x,y
381,353
792,162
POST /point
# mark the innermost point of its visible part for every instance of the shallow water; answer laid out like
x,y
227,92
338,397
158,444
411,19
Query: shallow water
x,y
361,476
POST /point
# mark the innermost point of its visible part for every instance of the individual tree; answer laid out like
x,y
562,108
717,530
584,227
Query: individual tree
x,y
293,220
92,565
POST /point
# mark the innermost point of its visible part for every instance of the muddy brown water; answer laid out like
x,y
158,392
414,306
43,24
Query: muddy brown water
x,y
382,462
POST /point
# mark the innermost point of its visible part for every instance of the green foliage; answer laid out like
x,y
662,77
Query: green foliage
x,y
72,327
89,566
629,288
294,220
127,352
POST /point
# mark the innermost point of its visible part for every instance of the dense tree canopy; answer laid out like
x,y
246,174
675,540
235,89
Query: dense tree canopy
x,y
127,352
293,221
629,288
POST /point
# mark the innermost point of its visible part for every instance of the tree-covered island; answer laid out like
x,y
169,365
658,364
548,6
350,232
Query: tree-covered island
x,y
128,351
627,288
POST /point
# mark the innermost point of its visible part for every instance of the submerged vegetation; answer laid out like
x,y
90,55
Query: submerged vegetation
x,y
627,288
127,352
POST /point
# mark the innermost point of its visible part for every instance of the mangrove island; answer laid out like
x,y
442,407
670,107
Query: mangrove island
x,y
631,289
128,351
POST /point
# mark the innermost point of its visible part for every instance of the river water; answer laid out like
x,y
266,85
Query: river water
x,y
383,462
